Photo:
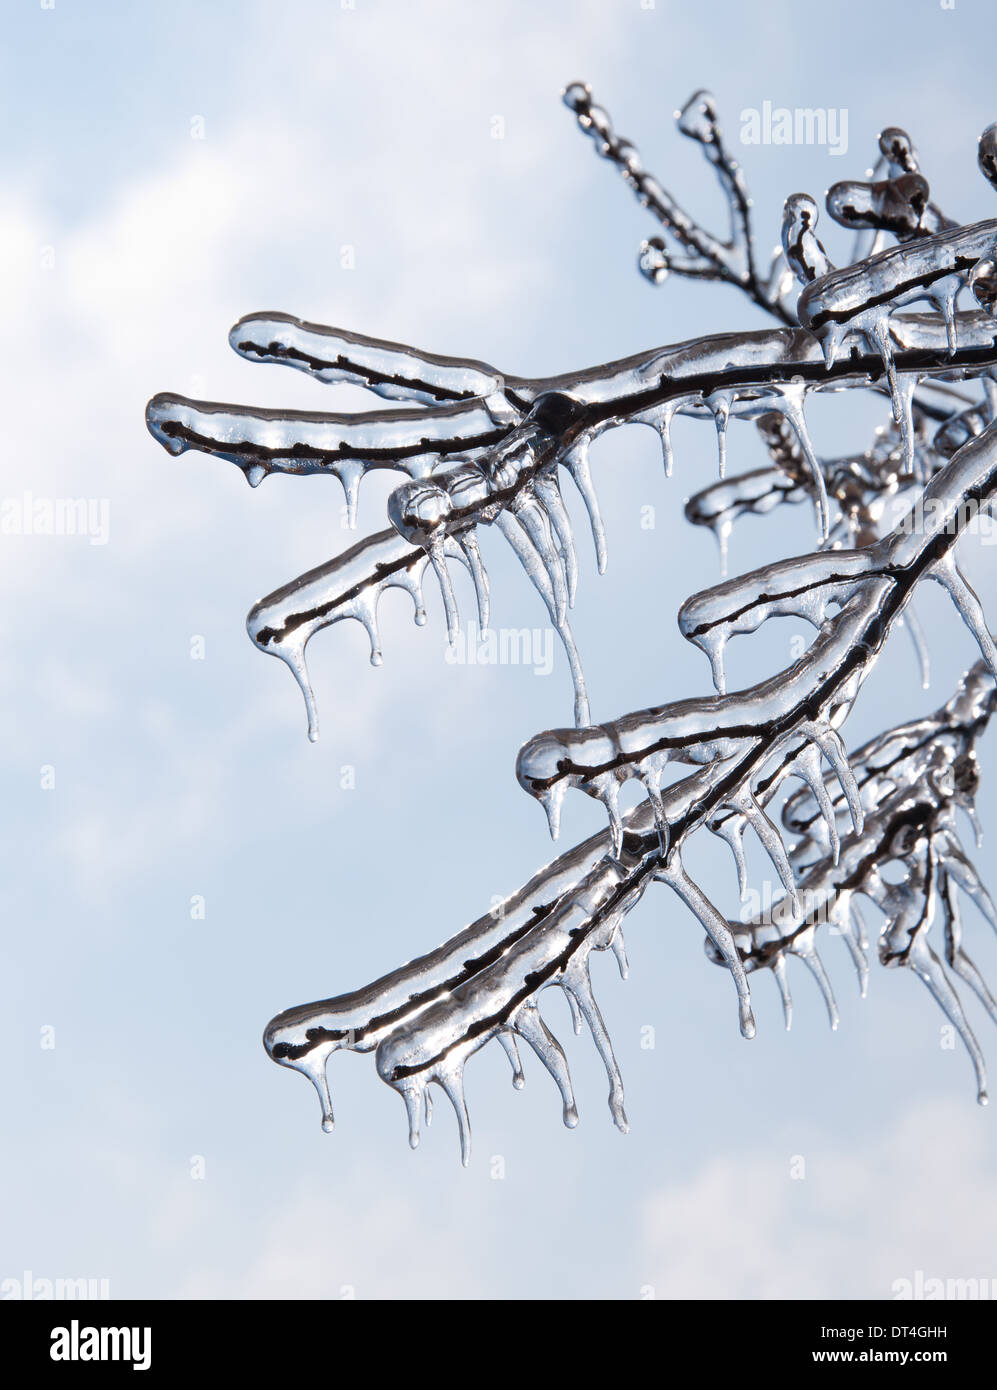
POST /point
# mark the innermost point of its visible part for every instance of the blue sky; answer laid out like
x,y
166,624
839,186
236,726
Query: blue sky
x,y
127,250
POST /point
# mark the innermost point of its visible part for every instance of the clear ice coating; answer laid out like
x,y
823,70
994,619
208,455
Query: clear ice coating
x,y
478,447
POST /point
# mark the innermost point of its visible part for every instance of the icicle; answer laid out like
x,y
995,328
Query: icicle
x,y
731,829
963,798
468,543
526,553
958,867
717,929
528,558
926,965
577,464
450,1076
956,956
903,387
414,1095
770,839
314,1067
582,712
969,811
294,657
852,935
619,950
651,781
807,765
945,299
663,424
966,600
577,1021
533,519
548,491
366,612
552,799
790,404
803,945
719,403
863,935
350,475
507,1040
778,967
607,789
532,1029
578,984
437,559
829,743
713,644
913,626
419,615
831,340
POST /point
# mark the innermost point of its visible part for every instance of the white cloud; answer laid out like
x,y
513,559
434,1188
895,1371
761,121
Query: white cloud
x,y
371,1242
917,1197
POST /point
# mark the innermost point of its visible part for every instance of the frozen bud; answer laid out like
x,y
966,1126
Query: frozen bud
x,y
804,253
987,154
653,261
896,146
418,510
698,118
555,412
577,95
983,284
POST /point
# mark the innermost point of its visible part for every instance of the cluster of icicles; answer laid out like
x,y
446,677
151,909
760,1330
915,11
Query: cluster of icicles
x,y
482,448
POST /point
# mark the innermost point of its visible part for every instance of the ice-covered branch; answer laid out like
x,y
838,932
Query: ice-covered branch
x,y
497,459
734,740
851,597
477,447
426,1019
483,448
701,255
911,782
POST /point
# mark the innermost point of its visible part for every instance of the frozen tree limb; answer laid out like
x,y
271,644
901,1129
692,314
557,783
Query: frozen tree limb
x,y
477,447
